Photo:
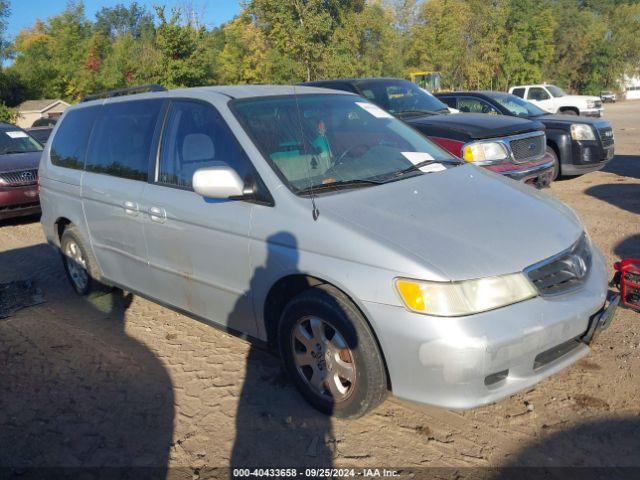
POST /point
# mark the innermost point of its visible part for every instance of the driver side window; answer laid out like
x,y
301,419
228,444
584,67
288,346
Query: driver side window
x,y
195,136
475,105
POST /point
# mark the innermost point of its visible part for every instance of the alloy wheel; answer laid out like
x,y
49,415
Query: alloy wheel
x,y
323,359
76,265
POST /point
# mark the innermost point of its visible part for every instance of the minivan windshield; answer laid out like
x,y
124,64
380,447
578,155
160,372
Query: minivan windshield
x,y
555,91
401,97
14,140
516,105
327,142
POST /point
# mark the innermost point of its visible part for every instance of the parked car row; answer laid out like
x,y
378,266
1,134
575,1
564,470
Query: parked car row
x,y
513,147
578,145
373,256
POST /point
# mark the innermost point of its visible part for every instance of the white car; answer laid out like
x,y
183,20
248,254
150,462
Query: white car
x,y
554,100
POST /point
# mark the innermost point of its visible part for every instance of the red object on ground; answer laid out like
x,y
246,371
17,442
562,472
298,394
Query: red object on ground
x,y
628,281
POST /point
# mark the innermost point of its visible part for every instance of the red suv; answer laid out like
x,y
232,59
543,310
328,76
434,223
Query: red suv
x,y
19,159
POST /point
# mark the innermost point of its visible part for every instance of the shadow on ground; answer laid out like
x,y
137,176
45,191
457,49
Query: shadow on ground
x,y
628,248
624,166
610,447
622,195
75,389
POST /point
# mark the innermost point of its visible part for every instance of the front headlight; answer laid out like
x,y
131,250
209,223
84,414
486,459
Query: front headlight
x,y
581,131
484,152
452,299
591,104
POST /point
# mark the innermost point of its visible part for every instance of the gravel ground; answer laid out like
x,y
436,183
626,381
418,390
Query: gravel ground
x,y
121,381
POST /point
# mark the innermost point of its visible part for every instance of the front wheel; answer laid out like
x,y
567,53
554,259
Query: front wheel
x,y
555,173
330,353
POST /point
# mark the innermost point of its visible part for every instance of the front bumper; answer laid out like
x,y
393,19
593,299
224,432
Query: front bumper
x,y
537,173
465,362
19,201
587,156
594,112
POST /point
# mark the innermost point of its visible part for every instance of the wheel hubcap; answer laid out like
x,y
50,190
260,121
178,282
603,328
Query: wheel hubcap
x,y
323,359
76,265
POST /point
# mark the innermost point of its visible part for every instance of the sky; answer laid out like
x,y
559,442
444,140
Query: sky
x,y
25,12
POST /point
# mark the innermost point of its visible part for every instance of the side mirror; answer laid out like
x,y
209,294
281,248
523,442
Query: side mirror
x,y
218,182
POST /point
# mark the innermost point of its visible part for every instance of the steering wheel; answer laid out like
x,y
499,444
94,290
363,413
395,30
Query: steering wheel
x,y
339,160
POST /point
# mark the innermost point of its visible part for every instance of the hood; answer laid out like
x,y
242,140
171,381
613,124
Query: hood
x,y
19,161
550,121
466,222
473,126
580,98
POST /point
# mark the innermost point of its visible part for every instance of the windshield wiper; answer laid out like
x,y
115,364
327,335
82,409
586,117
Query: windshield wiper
x,y
416,112
337,185
419,165
10,152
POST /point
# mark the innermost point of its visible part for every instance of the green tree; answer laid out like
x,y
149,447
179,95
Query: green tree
x,y
120,20
8,115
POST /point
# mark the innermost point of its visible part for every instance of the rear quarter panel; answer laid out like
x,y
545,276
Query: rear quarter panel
x,y
59,195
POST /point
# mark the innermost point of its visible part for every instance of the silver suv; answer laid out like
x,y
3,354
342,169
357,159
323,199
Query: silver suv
x,y
315,221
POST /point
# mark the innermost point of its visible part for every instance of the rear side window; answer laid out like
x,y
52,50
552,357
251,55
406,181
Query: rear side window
x,y
519,92
122,138
537,93
70,142
195,136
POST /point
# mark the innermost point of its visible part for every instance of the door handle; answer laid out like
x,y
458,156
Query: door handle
x,y
158,214
130,208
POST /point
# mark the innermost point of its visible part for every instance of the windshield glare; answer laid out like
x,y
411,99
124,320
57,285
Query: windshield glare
x,y
400,96
555,91
17,141
517,106
319,140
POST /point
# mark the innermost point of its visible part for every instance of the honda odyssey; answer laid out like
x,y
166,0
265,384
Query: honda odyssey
x,y
315,221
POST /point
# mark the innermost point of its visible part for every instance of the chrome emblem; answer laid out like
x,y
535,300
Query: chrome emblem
x,y
26,176
577,265
532,146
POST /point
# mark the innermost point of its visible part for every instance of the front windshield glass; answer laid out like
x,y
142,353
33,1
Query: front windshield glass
x,y
518,106
327,142
555,91
17,141
401,97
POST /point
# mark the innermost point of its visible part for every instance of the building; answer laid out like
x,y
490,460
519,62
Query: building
x,y
32,110
631,86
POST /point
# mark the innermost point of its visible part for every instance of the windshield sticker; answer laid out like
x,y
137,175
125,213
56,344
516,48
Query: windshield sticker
x,y
17,134
374,110
419,157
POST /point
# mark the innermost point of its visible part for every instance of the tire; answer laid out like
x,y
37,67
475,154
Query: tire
x,y
569,112
80,265
337,367
556,164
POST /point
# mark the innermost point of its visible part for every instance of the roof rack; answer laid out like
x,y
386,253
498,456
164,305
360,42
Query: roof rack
x,y
125,91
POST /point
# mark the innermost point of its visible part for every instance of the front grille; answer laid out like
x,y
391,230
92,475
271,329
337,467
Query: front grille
x,y
19,178
606,136
563,272
528,149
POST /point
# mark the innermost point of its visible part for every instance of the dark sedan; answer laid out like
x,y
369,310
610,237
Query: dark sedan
x,y
19,159
579,144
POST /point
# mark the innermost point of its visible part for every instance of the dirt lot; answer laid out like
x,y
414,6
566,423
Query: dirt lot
x,y
122,381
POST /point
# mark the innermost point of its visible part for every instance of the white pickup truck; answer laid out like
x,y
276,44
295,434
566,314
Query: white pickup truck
x,y
554,100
